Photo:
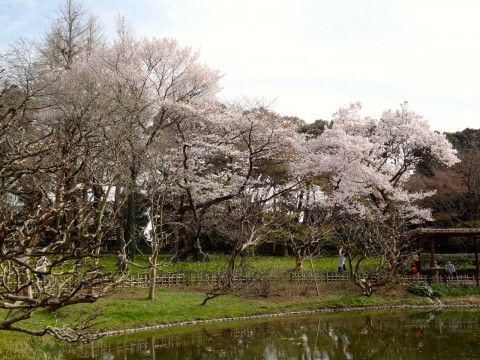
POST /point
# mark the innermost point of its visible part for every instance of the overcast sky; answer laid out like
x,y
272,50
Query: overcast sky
x,y
311,57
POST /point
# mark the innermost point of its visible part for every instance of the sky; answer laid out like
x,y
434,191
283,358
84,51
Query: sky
x,y
308,58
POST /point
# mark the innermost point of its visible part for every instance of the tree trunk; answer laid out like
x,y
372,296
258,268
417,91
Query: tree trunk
x,y
176,244
298,260
25,279
191,246
194,249
198,254
152,279
130,226
130,232
119,239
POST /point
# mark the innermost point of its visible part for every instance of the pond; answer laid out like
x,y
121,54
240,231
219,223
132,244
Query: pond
x,y
361,335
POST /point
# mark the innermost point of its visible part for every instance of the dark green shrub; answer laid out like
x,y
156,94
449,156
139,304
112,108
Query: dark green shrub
x,y
420,288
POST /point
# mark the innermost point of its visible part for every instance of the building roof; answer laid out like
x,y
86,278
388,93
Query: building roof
x,y
426,232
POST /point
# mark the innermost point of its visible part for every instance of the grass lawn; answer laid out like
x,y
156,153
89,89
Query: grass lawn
x,y
218,261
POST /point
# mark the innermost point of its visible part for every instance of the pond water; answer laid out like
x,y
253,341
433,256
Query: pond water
x,y
366,335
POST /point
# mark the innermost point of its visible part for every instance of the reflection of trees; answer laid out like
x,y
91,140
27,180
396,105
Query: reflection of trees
x,y
422,335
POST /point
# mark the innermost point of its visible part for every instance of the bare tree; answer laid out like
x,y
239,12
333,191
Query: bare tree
x,y
157,184
74,34
242,224
363,239
61,160
30,226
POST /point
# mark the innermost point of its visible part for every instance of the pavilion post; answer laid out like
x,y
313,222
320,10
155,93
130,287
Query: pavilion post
x,y
432,252
477,272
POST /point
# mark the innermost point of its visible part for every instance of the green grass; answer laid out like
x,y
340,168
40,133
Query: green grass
x,y
262,264
273,264
24,347
132,309
456,290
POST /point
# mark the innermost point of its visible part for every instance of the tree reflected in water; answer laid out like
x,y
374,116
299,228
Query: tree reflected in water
x,y
394,335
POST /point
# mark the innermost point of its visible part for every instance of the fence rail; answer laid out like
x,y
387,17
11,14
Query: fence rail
x,y
205,278
177,279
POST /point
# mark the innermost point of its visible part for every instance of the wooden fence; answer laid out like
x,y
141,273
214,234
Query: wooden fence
x,y
177,279
206,278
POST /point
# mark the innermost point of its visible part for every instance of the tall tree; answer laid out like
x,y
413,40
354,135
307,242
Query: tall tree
x,y
157,84
35,225
371,160
457,189
224,156
61,160
74,34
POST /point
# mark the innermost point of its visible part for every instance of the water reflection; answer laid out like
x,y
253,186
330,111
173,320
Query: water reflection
x,y
417,335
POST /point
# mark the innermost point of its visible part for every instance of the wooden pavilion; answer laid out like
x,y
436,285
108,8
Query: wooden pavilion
x,y
431,234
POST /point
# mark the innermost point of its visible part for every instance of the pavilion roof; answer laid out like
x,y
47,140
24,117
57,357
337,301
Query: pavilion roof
x,y
425,232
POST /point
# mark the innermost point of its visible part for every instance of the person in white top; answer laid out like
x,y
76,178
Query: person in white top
x,y
42,264
341,261
450,268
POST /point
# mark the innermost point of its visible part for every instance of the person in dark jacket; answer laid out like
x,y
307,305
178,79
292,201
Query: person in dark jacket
x,y
121,262
416,266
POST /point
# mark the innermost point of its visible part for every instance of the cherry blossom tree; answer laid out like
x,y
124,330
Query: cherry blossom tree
x,y
157,84
223,156
369,161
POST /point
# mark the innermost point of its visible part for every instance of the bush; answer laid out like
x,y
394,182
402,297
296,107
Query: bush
x,y
420,288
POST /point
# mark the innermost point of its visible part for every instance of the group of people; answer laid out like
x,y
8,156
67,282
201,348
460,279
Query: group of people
x,y
416,267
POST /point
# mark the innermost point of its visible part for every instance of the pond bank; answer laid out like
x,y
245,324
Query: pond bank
x,y
284,314
130,312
